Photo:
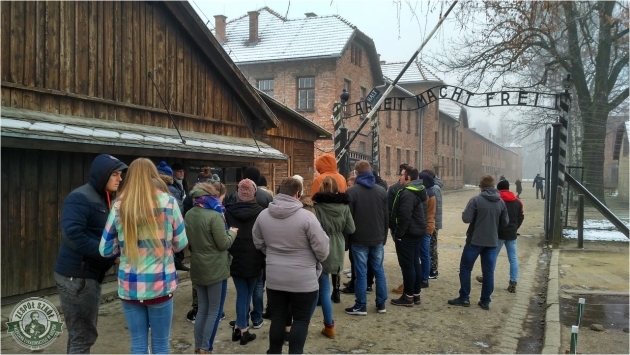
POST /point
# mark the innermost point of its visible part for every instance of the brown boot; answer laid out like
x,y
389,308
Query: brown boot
x,y
329,330
399,289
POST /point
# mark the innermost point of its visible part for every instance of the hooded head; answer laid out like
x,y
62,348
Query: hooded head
x,y
164,169
428,182
246,190
102,168
326,164
252,173
503,185
262,181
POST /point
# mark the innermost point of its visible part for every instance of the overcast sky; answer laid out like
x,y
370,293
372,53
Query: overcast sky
x,y
398,28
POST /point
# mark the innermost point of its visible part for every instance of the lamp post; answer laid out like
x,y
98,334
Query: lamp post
x,y
342,166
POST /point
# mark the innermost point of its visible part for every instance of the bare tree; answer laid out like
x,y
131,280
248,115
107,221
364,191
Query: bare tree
x,y
589,40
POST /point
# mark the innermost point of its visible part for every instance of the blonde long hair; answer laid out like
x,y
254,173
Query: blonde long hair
x,y
138,206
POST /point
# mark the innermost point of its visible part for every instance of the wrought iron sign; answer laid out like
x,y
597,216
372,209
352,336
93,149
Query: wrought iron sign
x,y
543,100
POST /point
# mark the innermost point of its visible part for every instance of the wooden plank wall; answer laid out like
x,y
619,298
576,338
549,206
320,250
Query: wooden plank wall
x,y
100,53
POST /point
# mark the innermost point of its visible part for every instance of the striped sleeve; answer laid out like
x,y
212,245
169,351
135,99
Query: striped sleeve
x,y
108,246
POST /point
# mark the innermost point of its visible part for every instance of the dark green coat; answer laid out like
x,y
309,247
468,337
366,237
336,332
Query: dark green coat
x,y
209,241
333,213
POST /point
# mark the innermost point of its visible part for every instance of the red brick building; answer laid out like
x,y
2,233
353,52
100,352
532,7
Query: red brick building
x,y
289,60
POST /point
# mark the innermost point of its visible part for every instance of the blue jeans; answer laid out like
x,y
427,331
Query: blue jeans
x,y
244,290
510,246
140,317
408,251
488,261
211,301
374,255
324,296
425,256
80,299
257,299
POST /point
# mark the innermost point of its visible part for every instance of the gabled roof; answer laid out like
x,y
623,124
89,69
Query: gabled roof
x,y
282,39
450,108
208,45
416,73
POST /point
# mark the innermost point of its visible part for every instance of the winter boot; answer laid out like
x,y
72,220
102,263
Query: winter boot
x,y
512,287
246,337
329,330
399,289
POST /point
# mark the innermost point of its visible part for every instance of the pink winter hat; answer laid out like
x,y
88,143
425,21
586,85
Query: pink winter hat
x,y
246,190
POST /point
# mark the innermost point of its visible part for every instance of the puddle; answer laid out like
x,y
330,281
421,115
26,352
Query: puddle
x,y
482,344
610,311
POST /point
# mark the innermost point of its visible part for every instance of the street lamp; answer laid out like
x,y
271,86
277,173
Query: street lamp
x,y
345,96
567,83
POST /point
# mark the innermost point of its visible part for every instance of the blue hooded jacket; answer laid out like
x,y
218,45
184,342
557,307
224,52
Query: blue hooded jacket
x,y
83,217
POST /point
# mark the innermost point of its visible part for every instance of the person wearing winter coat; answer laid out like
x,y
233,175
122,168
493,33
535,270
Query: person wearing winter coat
x,y
146,227
247,261
519,187
326,165
485,213
425,246
210,262
368,205
294,244
539,185
333,212
80,268
437,190
263,198
411,223
509,233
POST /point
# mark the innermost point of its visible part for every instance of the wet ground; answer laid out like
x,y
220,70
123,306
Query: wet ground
x,y
610,311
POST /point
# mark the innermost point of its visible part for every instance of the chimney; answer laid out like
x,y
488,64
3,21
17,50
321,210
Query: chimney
x,y
381,62
310,14
253,26
219,26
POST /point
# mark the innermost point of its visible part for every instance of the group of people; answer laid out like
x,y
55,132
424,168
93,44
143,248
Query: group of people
x,y
288,242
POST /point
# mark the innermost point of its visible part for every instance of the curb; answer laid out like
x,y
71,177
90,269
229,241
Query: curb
x,y
552,317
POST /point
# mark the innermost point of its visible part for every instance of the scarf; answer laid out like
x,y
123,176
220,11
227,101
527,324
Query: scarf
x,y
211,203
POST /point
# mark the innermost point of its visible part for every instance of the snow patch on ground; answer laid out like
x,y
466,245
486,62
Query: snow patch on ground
x,y
595,229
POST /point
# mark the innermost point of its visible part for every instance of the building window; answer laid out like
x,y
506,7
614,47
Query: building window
x,y
363,93
408,121
443,132
443,169
435,148
362,147
346,85
448,135
356,55
398,157
417,122
460,140
266,86
388,160
408,156
415,159
306,93
388,119
399,126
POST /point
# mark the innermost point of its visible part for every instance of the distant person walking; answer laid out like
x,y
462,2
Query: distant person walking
x,y
538,184
146,227
519,187
437,190
484,213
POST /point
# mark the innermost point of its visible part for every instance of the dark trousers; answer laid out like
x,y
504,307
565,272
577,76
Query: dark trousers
x,y
80,299
370,273
433,249
408,252
301,304
542,192
488,261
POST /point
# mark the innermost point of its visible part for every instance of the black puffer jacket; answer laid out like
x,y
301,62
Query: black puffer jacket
x,y
410,211
247,260
368,205
515,212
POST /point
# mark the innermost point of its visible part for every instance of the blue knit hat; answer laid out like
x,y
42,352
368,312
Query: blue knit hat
x,y
164,169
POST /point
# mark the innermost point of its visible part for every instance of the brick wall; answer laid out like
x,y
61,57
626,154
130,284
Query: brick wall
x,y
450,152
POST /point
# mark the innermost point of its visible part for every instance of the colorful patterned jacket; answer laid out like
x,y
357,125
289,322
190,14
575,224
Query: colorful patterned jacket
x,y
155,275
